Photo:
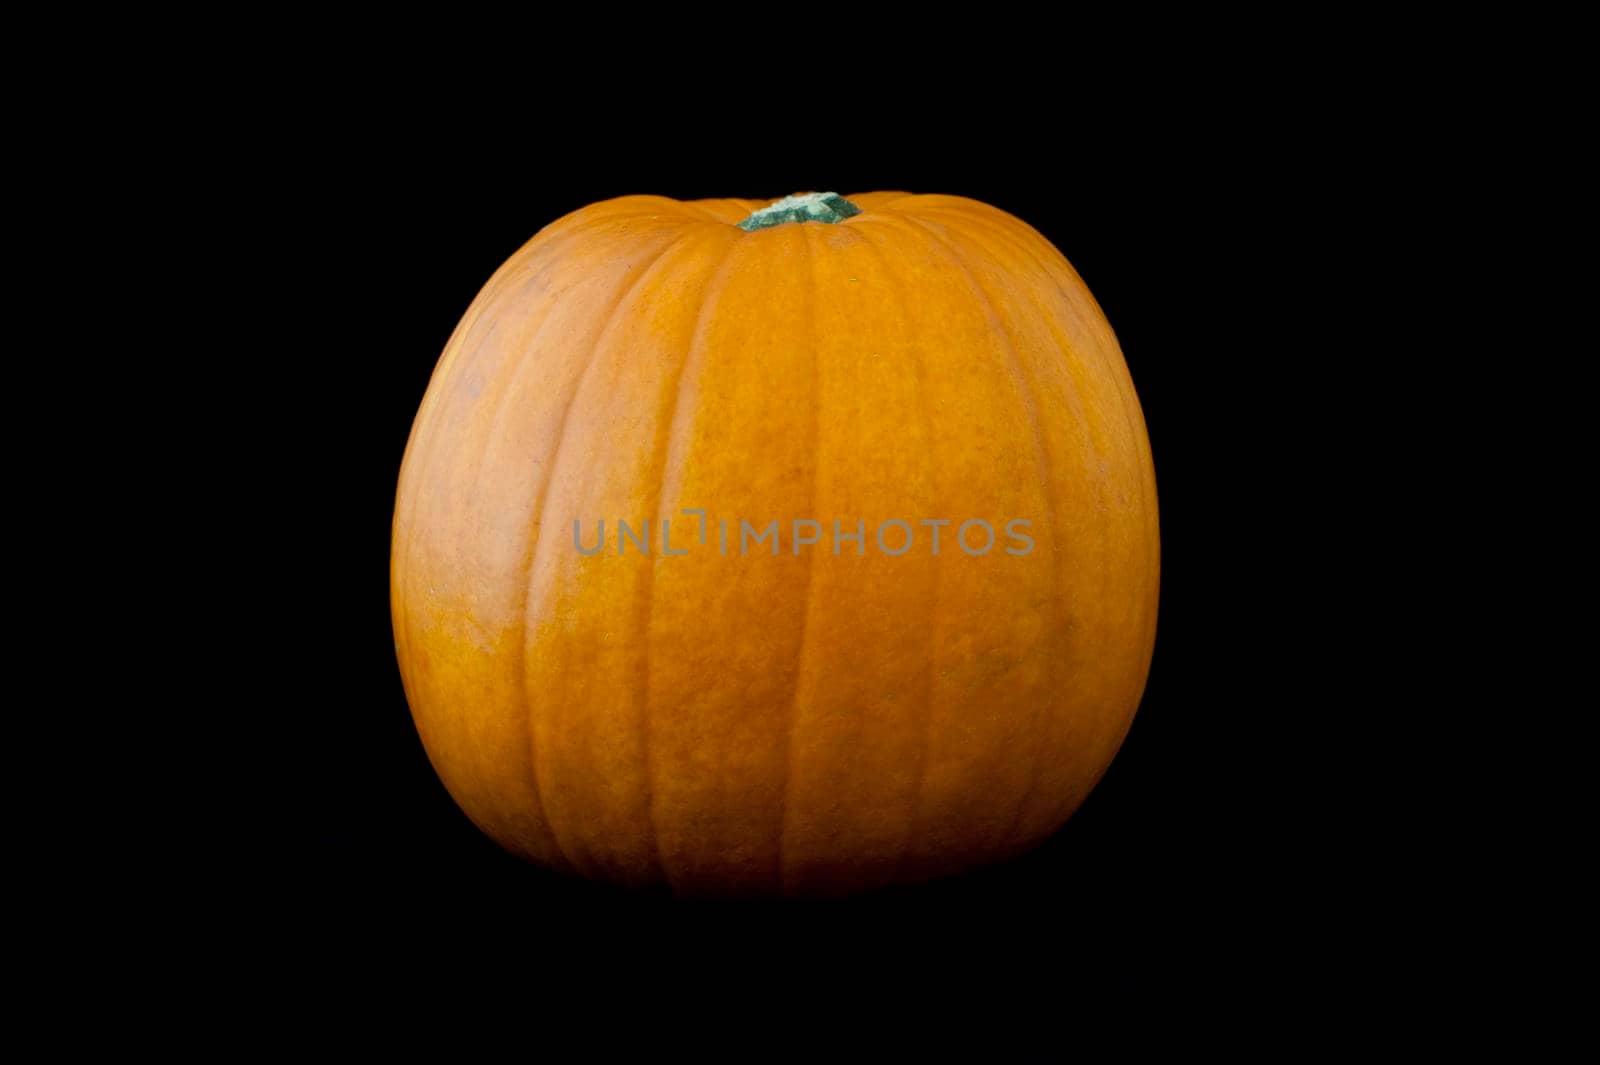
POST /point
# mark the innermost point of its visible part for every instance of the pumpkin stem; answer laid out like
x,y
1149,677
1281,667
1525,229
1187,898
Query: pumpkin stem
x,y
812,207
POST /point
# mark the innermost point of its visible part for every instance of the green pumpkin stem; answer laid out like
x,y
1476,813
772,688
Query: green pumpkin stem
x,y
827,207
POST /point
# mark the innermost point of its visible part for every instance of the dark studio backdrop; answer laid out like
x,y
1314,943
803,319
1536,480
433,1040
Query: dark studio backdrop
x,y
1202,860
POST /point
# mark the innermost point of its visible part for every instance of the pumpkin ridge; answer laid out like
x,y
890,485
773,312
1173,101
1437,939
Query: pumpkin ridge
x,y
516,363
519,363
1140,440
423,424
552,238
670,434
727,209
877,201
1149,500
811,565
1030,403
920,773
706,214
971,225
531,554
516,359
461,345
971,222
1118,374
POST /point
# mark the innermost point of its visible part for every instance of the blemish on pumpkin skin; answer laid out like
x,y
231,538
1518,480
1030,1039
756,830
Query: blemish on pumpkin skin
x,y
478,634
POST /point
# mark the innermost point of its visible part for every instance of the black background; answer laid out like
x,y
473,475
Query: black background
x,y
1204,864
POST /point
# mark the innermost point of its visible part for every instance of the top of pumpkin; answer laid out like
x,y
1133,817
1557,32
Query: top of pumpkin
x,y
812,207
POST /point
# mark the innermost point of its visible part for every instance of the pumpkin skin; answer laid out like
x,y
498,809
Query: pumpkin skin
x,y
805,723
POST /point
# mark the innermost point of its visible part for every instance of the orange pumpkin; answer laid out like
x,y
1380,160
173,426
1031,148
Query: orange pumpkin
x,y
809,712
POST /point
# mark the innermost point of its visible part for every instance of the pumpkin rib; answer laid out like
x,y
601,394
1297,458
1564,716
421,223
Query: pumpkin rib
x,y
1123,386
439,381
674,428
975,229
1133,416
705,213
920,773
1149,500
876,201
459,350
649,206
729,210
1074,357
432,399
811,565
1027,394
512,362
1121,379
972,210
608,320
517,363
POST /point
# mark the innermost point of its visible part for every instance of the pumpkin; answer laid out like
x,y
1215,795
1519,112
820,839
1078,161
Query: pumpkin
x,y
615,676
